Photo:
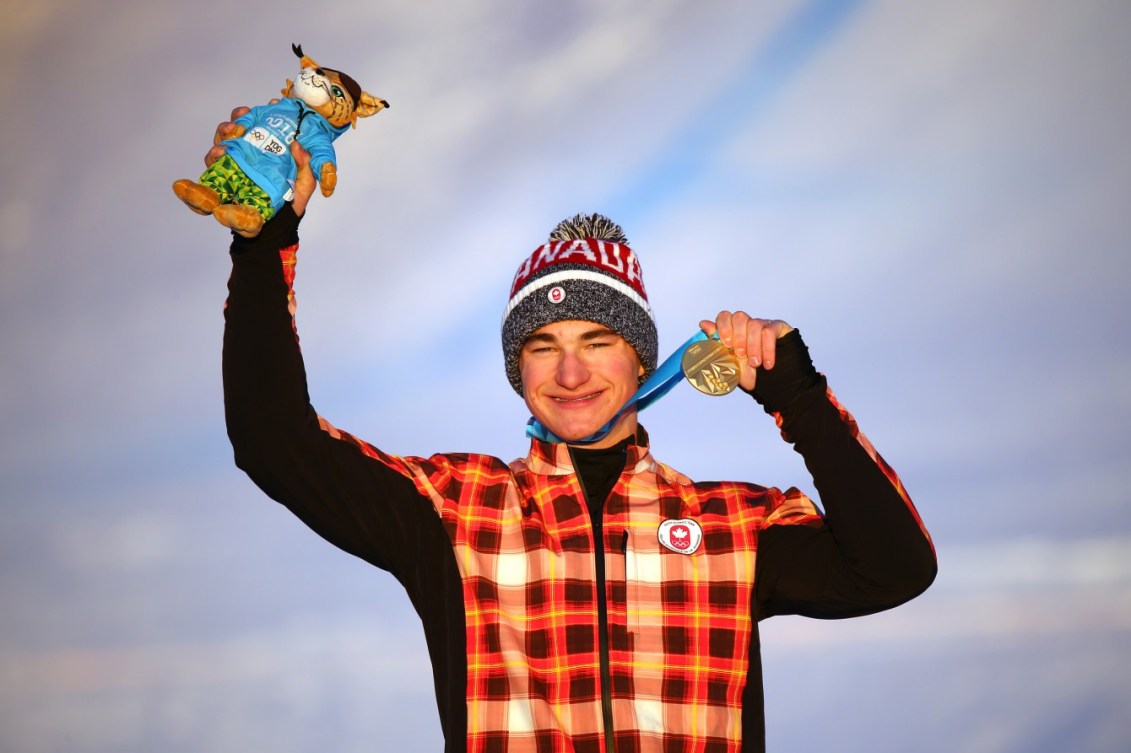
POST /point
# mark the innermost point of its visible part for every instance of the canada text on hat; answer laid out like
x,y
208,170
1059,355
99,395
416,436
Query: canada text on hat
x,y
609,257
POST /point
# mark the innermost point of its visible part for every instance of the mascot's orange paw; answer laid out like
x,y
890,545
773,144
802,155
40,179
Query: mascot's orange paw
x,y
243,219
200,199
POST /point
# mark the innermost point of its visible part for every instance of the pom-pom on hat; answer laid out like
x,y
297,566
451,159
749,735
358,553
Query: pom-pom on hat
x,y
586,272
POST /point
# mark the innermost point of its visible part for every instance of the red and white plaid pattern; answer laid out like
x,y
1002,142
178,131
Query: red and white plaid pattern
x,y
680,625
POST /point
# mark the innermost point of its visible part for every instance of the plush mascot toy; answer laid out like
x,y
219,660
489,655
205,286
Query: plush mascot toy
x,y
256,175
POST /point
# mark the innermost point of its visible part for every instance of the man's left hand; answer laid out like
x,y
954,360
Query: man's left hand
x,y
754,341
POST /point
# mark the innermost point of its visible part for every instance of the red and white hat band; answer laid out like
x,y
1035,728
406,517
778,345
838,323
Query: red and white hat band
x,y
556,278
611,258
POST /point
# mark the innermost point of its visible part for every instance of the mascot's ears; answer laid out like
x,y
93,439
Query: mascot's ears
x,y
369,105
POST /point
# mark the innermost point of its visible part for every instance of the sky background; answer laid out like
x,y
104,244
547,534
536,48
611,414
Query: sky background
x,y
936,194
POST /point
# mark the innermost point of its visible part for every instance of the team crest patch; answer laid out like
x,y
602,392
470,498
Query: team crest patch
x,y
681,536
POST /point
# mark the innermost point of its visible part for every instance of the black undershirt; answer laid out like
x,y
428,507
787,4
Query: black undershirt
x,y
599,471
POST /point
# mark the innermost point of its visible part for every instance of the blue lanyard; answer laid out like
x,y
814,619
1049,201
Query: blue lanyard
x,y
668,375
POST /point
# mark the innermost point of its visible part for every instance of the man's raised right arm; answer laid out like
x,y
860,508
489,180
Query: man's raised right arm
x,y
353,496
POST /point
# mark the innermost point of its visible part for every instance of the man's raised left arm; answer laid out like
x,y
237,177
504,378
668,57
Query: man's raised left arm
x,y
870,550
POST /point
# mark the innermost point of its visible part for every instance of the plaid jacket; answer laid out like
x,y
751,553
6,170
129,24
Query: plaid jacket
x,y
501,563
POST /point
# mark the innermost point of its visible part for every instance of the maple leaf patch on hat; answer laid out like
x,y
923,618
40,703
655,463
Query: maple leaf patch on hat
x,y
681,536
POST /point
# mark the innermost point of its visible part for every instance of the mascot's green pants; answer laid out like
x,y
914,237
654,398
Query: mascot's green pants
x,y
226,178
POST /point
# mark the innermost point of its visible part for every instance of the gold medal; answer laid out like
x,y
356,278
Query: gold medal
x,y
711,367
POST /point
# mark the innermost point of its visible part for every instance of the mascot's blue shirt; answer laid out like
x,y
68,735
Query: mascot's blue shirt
x,y
264,151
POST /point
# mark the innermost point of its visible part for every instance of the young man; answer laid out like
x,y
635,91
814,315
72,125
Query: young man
x,y
585,597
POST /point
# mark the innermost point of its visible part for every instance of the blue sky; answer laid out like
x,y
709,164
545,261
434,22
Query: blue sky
x,y
935,195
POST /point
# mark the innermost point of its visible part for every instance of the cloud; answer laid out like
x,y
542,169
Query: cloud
x,y
934,195
1010,589
313,681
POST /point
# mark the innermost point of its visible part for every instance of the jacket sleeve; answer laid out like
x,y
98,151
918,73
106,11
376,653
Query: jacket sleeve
x,y
319,141
869,551
354,496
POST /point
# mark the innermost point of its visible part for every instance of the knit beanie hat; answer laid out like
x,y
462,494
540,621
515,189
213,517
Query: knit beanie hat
x,y
587,272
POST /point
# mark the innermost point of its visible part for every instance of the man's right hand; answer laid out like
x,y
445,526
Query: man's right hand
x,y
226,130
304,180
754,341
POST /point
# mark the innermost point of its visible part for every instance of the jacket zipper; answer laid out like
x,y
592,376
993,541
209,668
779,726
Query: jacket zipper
x,y
597,525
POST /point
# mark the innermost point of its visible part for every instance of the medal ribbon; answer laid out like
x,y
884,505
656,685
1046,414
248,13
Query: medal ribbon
x,y
668,375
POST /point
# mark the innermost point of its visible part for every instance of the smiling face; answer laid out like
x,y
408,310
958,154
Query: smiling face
x,y
575,376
